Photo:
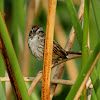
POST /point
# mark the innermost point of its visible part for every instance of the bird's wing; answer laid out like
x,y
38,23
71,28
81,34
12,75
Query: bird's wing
x,y
58,50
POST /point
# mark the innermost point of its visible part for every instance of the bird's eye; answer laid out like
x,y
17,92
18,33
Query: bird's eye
x,y
30,33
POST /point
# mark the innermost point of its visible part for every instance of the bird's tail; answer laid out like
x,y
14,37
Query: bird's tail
x,y
72,52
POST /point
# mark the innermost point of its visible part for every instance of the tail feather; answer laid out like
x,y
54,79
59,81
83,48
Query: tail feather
x,y
72,52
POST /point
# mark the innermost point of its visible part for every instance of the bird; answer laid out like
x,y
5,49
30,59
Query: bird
x,y
36,43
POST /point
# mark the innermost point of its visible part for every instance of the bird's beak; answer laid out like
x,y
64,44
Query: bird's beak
x,y
35,34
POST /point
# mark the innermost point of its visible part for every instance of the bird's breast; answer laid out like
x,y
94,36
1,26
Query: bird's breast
x,y
36,48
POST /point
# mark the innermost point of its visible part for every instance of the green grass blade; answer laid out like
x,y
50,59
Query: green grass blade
x,y
2,66
84,42
20,15
14,28
2,93
2,69
96,83
95,76
98,67
83,73
96,9
75,21
85,33
2,6
13,59
93,95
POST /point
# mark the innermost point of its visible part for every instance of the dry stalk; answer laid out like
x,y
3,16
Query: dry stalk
x,y
67,48
71,39
36,80
55,81
70,66
39,75
48,50
86,78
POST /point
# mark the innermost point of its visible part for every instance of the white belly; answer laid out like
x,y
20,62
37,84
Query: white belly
x,y
36,48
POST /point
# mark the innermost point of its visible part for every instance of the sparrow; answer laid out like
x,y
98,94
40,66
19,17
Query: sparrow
x,y
36,43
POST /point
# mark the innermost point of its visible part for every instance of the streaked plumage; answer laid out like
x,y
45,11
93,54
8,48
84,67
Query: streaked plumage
x,y
36,42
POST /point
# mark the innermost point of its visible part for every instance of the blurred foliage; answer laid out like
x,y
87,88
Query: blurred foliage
x,y
15,27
